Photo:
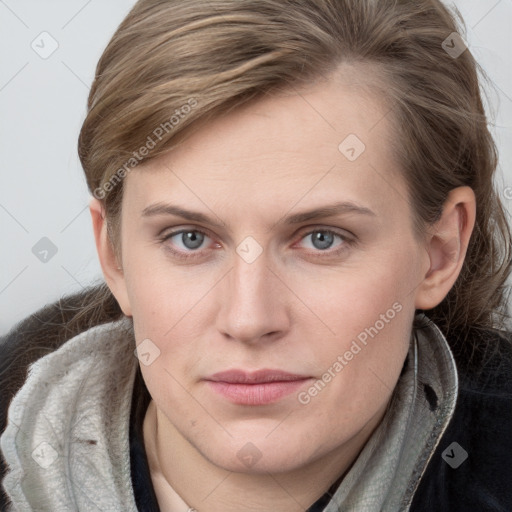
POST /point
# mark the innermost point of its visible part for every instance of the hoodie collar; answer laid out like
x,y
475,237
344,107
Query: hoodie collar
x,y
67,437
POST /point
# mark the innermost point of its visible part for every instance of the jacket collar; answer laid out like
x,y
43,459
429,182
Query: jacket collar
x,y
70,423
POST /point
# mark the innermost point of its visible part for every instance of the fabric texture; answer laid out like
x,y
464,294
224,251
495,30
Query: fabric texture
x,y
67,438
72,440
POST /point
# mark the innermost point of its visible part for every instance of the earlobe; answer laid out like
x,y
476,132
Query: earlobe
x,y
447,247
110,266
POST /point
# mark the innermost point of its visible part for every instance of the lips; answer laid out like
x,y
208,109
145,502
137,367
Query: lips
x,y
259,387
255,377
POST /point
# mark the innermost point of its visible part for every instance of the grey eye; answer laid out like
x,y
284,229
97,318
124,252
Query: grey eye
x,y
192,239
322,239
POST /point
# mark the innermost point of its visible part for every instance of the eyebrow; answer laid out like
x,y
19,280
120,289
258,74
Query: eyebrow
x,y
296,218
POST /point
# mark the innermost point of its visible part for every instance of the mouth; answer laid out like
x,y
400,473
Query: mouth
x,y
255,388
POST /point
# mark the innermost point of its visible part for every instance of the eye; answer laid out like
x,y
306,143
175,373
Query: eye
x,y
323,239
190,240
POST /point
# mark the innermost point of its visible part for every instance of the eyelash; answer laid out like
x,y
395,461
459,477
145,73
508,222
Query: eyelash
x,y
348,242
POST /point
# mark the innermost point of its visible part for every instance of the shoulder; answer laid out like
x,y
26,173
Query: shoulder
x,y
471,469
21,346
41,333
46,330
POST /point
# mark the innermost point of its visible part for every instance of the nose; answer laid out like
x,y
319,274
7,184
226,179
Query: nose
x,y
254,302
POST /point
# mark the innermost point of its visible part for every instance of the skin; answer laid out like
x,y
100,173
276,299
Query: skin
x,y
296,307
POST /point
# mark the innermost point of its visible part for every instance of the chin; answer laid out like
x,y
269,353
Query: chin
x,y
256,454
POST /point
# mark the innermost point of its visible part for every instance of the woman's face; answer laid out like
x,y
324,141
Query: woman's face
x,y
258,283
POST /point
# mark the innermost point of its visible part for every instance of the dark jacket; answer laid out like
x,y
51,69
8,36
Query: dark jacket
x,y
482,422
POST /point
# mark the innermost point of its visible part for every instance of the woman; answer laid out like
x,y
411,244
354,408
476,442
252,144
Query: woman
x,y
295,217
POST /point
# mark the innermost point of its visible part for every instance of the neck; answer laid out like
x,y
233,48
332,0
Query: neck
x,y
182,477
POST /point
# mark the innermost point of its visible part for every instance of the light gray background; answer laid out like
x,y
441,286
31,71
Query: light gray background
x,y
42,105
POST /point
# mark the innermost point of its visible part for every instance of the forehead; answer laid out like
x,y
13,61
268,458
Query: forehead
x,y
326,142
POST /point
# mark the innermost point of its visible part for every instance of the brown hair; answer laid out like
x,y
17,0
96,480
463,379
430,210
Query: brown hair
x,y
172,64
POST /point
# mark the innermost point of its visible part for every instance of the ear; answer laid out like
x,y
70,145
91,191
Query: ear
x,y
446,246
110,266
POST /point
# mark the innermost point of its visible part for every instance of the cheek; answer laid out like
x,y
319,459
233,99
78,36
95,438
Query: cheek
x,y
369,317
166,309
155,290
353,298
356,377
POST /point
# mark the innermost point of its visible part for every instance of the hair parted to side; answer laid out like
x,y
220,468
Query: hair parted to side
x,y
174,63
